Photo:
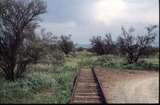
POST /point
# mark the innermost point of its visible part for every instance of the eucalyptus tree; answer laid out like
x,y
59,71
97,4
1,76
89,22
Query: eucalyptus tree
x,y
18,21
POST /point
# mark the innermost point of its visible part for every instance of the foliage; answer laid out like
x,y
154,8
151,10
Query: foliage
x,y
32,88
88,60
49,50
80,49
135,46
98,45
18,20
127,44
64,79
21,89
66,44
110,47
54,86
110,61
103,46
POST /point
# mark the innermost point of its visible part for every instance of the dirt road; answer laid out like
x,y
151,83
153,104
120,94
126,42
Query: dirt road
x,y
130,86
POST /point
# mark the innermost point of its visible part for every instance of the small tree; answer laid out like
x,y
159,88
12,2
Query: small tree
x,y
98,45
66,44
134,47
110,47
18,19
50,52
103,46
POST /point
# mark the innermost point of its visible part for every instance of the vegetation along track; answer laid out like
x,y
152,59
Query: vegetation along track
x,y
87,88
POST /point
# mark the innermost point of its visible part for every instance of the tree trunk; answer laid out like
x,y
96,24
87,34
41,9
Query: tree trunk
x,y
12,72
130,59
9,75
136,58
20,69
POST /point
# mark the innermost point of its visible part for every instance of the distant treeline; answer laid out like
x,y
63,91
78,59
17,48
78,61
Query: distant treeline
x,y
127,44
21,46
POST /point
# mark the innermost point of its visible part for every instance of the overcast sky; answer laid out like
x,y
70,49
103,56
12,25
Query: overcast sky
x,y
86,18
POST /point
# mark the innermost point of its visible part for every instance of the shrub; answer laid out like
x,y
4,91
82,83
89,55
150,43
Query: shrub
x,y
38,80
142,65
64,83
135,47
55,57
66,44
87,62
107,61
14,92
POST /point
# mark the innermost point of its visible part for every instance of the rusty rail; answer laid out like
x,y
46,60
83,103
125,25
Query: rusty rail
x,y
74,85
103,95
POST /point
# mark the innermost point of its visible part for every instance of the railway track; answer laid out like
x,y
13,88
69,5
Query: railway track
x,y
86,88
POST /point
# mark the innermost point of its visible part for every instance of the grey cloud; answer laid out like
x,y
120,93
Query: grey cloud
x,y
74,17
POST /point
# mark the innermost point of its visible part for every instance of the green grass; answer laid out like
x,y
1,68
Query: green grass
x,y
64,80
32,88
88,60
50,84
23,89
110,61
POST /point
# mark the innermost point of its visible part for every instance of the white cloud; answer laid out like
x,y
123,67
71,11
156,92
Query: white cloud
x,y
111,12
108,10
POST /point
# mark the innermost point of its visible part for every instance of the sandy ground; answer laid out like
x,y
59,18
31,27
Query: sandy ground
x,y
130,86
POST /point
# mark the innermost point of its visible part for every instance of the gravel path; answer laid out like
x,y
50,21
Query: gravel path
x,y
136,91
130,86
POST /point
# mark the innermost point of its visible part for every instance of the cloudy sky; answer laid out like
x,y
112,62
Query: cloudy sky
x,y
86,18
